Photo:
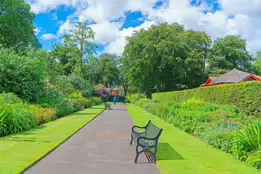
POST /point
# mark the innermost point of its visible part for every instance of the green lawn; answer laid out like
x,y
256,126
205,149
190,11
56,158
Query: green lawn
x,y
19,151
181,153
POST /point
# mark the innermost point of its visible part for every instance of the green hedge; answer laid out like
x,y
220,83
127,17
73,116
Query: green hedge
x,y
246,96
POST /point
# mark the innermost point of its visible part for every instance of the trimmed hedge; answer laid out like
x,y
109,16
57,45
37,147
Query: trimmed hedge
x,y
246,96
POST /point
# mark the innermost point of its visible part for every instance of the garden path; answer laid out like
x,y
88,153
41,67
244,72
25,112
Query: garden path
x,y
102,146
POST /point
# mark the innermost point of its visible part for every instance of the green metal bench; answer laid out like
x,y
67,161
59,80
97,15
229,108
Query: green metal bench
x,y
146,140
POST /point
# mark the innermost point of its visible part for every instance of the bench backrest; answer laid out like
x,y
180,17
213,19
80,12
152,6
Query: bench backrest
x,y
152,131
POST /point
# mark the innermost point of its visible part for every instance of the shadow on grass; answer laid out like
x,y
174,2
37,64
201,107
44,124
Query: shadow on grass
x,y
165,152
20,139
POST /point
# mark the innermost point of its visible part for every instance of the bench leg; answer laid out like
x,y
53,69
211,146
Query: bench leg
x,y
137,154
155,155
131,140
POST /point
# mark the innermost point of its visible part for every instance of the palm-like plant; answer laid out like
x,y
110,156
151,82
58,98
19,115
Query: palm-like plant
x,y
248,140
254,159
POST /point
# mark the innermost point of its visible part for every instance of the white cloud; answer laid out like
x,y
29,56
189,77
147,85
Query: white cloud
x,y
106,31
48,36
37,31
246,18
43,6
117,46
65,28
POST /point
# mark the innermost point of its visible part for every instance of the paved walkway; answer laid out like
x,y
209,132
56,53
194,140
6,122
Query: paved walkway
x,y
101,147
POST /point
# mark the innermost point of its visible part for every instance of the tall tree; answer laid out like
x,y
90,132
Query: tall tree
x,y
61,60
228,53
16,26
80,38
108,70
123,78
166,57
257,64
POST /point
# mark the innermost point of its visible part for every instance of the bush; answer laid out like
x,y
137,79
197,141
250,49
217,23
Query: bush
x,y
248,140
44,115
15,118
246,96
70,84
57,102
9,98
21,75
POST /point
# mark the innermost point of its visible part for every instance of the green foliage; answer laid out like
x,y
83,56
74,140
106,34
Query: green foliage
x,y
254,159
61,61
248,140
108,70
80,36
228,53
57,102
70,84
21,75
9,98
166,57
246,96
257,64
16,27
16,118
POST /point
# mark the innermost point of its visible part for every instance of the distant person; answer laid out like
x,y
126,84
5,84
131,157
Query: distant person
x,y
115,100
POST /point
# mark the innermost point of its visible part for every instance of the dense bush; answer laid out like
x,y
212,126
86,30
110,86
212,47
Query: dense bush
x,y
57,102
70,84
16,118
19,117
246,96
248,143
9,98
21,75
221,126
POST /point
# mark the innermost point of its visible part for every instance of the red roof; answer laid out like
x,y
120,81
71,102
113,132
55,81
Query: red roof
x,y
234,76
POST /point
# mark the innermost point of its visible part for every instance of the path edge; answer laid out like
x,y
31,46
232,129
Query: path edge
x,y
59,144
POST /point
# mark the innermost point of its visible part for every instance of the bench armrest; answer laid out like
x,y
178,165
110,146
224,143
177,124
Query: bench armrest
x,y
138,127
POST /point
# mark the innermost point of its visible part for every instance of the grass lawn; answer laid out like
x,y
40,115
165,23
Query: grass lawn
x,y
20,151
181,153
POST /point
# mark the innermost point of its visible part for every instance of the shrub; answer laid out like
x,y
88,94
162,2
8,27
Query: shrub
x,y
248,140
56,101
21,75
44,115
96,100
246,96
15,118
70,84
254,159
9,98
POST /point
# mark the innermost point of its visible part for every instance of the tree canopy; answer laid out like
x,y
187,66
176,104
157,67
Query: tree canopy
x,y
166,57
16,26
228,53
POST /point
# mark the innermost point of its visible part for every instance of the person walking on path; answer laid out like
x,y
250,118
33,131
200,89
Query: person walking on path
x,y
115,100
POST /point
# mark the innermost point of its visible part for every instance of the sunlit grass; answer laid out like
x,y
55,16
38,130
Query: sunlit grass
x,y
19,151
197,157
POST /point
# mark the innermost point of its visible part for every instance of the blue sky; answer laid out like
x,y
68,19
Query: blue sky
x,y
113,20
